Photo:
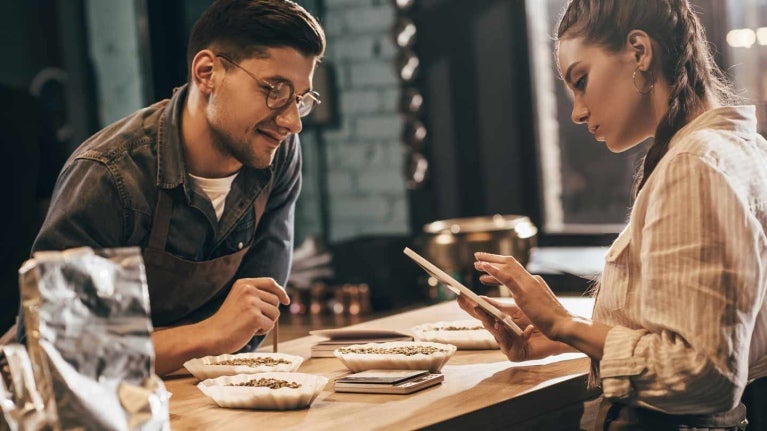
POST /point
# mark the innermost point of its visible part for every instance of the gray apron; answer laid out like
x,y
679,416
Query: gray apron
x,y
184,291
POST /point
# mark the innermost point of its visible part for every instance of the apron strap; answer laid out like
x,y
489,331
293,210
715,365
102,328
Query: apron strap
x,y
158,237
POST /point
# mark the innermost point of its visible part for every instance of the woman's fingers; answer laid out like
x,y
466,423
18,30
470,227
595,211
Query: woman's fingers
x,y
500,274
489,280
489,257
466,305
510,273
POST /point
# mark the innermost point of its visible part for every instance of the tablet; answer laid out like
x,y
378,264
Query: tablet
x,y
460,289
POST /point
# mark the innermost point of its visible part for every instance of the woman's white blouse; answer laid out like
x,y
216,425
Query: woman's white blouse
x,y
684,284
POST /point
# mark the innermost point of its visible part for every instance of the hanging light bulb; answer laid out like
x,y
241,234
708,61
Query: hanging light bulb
x,y
411,101
414,133
404,33
403,5
416,168
408,65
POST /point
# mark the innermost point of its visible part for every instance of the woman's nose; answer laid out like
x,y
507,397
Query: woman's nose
x,y
580,114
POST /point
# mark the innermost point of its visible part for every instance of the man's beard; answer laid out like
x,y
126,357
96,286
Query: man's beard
x,y
241,150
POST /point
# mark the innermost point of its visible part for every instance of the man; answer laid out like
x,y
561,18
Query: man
x,y
206,182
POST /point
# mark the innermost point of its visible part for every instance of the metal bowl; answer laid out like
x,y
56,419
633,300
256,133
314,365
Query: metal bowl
x,y
451,244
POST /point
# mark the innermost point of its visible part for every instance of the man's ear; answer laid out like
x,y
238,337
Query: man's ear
x,y
639,45
202,70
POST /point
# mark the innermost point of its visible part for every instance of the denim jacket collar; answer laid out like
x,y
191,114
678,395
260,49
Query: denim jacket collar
x,y
171,168
171,171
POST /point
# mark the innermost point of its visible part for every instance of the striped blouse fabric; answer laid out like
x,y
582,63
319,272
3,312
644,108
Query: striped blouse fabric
x,y
684,284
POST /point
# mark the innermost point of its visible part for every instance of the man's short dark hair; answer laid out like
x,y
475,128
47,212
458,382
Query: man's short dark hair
x,y
245,28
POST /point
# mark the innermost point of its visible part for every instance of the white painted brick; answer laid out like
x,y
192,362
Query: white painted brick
x,y
340,182
352,207
333,5
386,48
370,19
389,98
373,73
386,126
359,48
348,156
381,180
343,75
334,25
364,155
388,154
360,101
341,134
399,209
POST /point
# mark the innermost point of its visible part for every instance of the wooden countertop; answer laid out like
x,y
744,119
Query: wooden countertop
x,y
482,390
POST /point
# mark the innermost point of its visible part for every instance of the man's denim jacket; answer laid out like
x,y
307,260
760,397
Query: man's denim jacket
x,y
107,191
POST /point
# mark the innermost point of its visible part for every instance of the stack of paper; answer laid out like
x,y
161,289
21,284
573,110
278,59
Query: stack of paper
x,y
338,338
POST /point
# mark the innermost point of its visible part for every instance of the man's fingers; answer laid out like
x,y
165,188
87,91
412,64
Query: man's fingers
x,y
268,310
269,285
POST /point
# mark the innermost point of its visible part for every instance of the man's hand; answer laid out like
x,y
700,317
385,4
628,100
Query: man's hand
x,y
251,308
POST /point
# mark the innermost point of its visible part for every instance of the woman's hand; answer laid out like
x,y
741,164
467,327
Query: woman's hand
x,y
531,294
532,344
506,307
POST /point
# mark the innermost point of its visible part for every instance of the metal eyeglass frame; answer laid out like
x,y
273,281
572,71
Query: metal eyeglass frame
x,y
304,108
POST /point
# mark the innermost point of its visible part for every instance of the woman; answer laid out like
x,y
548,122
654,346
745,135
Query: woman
x,y
680,322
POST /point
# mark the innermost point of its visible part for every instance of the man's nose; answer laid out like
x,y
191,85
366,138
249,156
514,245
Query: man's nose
x,y
289,118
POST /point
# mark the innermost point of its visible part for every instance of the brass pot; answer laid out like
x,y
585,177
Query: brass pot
x,y
451,244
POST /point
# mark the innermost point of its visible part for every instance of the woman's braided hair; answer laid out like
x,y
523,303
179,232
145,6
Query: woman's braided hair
x,y
686,60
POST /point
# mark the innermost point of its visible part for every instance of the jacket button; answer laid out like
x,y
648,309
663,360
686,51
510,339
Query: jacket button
x,y
239,245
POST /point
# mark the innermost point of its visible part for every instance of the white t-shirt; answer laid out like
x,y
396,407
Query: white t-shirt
x,y
216,189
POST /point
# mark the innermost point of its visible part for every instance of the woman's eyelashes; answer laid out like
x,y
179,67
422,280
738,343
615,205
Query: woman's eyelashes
x,y
580,84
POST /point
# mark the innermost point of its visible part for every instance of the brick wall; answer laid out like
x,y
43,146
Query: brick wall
x,y
366,188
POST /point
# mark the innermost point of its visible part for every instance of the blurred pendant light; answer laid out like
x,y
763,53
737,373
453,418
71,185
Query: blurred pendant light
x,y
411,101
404,33
414,133
403,5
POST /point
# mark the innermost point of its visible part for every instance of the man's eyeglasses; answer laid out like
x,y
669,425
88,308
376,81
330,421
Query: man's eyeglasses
x,y
282,93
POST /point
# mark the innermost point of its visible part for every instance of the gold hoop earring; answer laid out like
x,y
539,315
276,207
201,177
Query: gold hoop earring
x,y
639,90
